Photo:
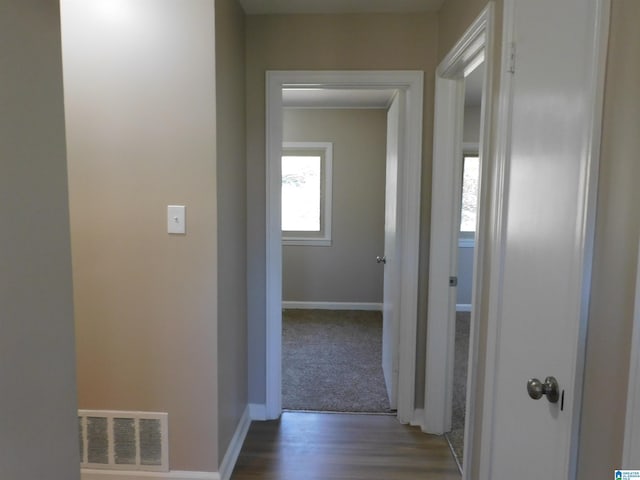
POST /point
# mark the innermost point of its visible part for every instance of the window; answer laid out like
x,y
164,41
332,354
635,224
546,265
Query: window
x,y
306,193
470,177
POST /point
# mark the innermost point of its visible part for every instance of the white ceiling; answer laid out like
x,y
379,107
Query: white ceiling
x,y
336,98
339,6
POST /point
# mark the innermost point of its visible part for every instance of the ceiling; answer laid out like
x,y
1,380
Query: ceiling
x,y
253,7
336,98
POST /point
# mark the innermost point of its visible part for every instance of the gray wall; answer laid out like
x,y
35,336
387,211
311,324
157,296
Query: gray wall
x,y
471,127
38,421
232,223
346,271
141,115
616,253
327,42
465,275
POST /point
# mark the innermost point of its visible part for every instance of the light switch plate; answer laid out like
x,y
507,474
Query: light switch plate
x,y
176,219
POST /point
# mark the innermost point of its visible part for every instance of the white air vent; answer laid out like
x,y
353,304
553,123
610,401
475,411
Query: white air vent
x,y
123,440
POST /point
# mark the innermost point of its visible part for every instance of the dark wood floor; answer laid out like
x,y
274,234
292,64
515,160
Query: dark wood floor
x,y
325,446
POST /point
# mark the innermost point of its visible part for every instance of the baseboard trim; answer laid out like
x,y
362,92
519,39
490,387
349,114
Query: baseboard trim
x,y
94,474
463,307
418,418
258,412
333,305
233,450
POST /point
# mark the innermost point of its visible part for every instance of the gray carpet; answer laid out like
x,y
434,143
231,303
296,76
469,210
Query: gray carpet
x,y
456,436
331,361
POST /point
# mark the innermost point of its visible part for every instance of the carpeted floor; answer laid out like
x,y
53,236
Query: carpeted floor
x,y
456,436
331,361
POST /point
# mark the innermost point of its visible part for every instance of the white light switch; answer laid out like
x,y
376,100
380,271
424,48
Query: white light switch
x,y
176,219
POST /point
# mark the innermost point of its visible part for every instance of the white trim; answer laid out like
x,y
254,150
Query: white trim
x,y
445,223
331,106
463,307
408,236
631,450
306,242
332,305
445,199
90,474
472,411
322,238
258,411
500,207
418,417
235,445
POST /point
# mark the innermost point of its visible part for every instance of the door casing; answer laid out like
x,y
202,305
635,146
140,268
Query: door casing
x,y
408,235
473,48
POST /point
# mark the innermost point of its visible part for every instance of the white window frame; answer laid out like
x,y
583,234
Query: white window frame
x,y
323,238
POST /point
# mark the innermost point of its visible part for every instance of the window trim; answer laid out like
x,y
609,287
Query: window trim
x,y
323,238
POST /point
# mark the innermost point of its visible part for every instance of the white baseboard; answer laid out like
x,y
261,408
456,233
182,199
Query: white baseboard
x,y
463,307
233,450
258,411
333,305
418,418
226,467
93,474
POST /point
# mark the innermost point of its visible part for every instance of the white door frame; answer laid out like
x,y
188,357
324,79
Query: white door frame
x,y
499,209
475,46
631,451
408,231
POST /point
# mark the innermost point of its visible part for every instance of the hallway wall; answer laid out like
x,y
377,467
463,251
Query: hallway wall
x,y
38,425
231,178
141,133
616,253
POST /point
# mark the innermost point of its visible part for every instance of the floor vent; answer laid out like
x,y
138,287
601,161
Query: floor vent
x,y
123,440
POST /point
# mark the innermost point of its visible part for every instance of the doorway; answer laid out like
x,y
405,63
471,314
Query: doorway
x,y
411,83
472,51
465,248
333,222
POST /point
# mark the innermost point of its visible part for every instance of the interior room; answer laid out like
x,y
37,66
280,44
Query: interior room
x,y
332,288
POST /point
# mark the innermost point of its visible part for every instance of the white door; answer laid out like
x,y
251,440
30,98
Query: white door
x,y
551,168
390,312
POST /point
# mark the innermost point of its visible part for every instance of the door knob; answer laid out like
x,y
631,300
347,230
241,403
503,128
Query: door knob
x,y
380,259
536,389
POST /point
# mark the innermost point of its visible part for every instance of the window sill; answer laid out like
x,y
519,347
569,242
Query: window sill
x,y
307,242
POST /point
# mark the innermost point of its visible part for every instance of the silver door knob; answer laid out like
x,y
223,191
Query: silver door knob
x,y
536,389
381,259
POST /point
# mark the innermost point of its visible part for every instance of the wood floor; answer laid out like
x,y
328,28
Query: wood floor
x,y
327,446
